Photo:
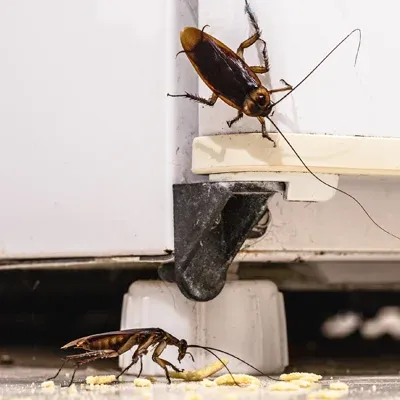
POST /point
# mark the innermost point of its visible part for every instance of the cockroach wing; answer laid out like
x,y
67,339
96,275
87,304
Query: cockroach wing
x,y
127,332
222,70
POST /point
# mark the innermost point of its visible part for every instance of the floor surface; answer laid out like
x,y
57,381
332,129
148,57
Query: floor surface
x,y
22,379
25,383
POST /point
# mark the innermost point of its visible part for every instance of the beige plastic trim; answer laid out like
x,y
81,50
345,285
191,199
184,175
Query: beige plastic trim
x,y
250,152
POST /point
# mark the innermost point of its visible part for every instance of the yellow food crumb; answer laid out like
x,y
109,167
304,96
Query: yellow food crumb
x,y
238,379
47,384
140,382
326,394
208,383
200,374
193,396
100,380
307,376
338,386
302,383
283,386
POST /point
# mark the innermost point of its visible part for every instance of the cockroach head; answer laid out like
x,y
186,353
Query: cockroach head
x,y
257,103
182,349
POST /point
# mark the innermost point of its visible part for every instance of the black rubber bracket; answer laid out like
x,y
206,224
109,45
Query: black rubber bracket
x,y
211,222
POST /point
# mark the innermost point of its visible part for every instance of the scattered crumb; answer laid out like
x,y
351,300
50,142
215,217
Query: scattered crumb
x,y
193,396
200,374
326,394
151,379
238,379
283,386
302,383
307,376
208,383
47,384
100,380
140,382
67,374
338,386
72,389
374,388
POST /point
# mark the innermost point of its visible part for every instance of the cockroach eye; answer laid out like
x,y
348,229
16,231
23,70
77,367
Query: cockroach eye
x,y
261,99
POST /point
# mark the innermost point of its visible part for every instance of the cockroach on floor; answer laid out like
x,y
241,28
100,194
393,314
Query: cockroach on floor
x,y
113,344
236,83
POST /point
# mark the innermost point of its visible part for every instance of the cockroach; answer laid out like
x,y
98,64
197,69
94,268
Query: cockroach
x,y
236,83
113,344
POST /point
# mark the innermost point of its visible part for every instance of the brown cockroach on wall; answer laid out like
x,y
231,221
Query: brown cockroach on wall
x,y
233,81
113,344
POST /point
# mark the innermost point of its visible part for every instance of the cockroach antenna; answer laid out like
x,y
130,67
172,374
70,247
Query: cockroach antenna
x,y
332,187
212,349
297,154
321,62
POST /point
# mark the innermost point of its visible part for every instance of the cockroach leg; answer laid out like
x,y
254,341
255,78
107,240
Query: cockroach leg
x,y
73,376
141,367
259,69
163,363
92,356
252,18
133,362
208,102
264,131
236,119
130,365
284,89
247,43
285,83
138,354
257,36
58,372
262,69
84,358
